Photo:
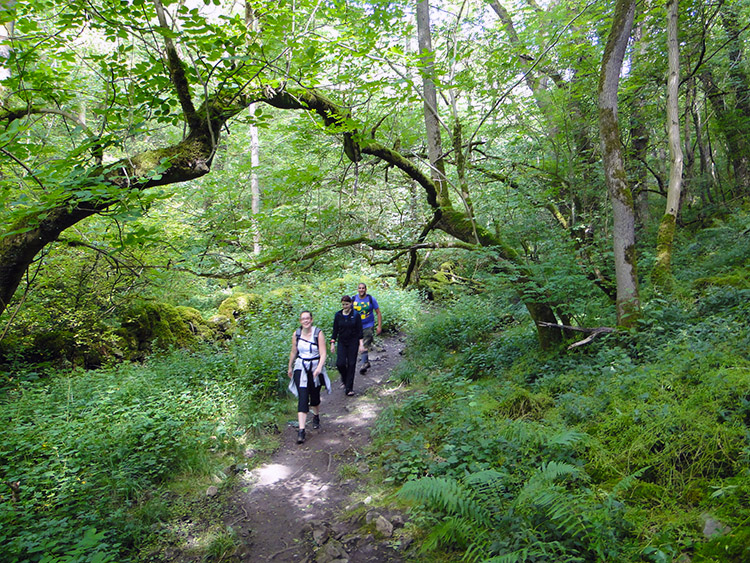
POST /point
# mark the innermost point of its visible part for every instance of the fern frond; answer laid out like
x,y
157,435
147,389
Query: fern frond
x,y
560,508
525,433
624,484
450,532
448,496
551,471
566,438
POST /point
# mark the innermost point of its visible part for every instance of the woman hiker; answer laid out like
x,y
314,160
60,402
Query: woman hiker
x,y
306,366
347,331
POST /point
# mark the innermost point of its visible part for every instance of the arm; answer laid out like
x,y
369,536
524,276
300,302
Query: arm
x,y
322,352
335,333
292,355
380,320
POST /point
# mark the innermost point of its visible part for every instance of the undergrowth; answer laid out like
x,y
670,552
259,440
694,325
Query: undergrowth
x,y
635,447
102,465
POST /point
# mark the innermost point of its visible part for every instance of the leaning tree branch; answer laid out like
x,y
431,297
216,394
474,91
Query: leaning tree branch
x,y
315,253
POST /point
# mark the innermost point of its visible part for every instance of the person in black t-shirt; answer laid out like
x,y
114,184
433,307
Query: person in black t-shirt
x,y
347,331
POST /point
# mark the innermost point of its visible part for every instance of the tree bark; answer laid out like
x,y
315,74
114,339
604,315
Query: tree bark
x,y
431,119
662,272
184,161
639,136
623,210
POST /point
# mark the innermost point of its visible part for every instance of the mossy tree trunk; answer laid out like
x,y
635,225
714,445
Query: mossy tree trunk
x,y
184,161
662,272
623,207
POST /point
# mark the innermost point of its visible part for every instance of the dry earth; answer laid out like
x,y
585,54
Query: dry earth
x,y
295,506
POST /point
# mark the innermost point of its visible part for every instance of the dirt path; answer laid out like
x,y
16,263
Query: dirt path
x,y
292,501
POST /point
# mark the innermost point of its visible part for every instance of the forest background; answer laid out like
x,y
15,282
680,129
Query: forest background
x,y
549,197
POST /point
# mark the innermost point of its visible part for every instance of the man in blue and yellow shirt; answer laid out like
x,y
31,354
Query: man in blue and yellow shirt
x,y
367,307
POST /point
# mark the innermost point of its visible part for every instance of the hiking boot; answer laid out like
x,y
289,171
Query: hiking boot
x,y
364,368
301,437
316,421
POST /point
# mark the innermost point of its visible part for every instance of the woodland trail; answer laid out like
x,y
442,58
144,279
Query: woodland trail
x,y
292,501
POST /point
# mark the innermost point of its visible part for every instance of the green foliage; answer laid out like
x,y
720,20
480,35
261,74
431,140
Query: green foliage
x,y
471,320
92,449
615,451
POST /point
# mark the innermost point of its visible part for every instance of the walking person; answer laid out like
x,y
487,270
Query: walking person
x,y
307,371
367,307
347,332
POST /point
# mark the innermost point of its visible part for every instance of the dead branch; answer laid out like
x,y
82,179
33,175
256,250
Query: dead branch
x,y
593,332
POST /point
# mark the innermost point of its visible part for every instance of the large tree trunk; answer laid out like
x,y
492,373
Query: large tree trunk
x,y
662,272
623,212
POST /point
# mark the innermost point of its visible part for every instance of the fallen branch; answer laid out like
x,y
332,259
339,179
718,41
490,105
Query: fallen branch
x,y
594,332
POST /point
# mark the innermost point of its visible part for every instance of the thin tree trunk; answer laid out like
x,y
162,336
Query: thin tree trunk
x,y
254,183
252,24
639,138
662,272
431,119
623,212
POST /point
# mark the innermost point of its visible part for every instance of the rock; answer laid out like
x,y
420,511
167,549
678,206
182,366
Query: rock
x,y
713,527
331,551
383,526
212,491
406,542
372,515
321,535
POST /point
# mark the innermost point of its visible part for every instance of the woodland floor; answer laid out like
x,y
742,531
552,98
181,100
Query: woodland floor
x,y
293,508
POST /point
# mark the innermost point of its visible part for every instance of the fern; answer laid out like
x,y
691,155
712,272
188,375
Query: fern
x,y
560,508
535,436
623,485
451,531
566,438
447,496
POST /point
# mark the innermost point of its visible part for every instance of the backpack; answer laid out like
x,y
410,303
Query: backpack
x,y
298,334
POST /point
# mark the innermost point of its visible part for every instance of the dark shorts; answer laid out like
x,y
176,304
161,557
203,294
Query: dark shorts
x,y
306,396
367,336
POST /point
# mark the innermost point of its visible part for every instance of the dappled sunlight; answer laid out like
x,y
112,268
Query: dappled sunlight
x,y
309,489
271,473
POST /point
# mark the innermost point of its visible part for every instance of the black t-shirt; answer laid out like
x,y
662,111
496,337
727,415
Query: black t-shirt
x,y
347,328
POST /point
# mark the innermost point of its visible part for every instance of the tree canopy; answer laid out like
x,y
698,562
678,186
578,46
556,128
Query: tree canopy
x,y
104,102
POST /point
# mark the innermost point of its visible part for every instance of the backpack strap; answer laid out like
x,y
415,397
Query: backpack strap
x,y
316,332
